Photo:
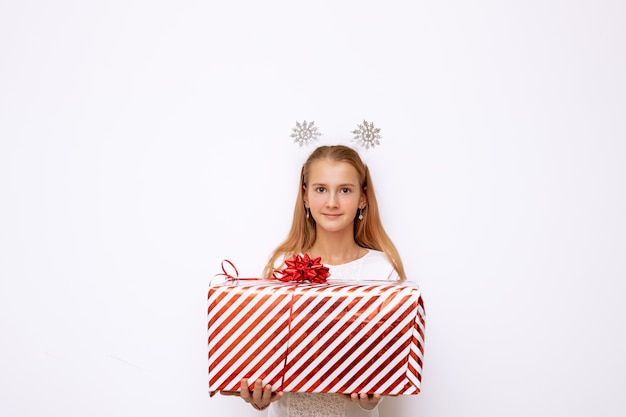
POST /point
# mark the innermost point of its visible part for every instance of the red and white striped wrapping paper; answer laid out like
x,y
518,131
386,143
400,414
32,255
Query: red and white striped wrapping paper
x,y
338,337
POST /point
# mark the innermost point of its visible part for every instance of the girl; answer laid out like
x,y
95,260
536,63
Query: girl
x,y
336,218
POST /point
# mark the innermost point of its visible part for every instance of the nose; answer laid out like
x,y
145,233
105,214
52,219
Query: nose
x,y
332,199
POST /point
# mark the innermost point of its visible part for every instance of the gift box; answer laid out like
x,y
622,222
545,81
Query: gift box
x,y
335,337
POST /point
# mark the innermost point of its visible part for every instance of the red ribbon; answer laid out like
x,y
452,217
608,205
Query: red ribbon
x,y
236,277
226,274
301,268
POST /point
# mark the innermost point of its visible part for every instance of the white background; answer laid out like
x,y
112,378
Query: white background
x,y
141,142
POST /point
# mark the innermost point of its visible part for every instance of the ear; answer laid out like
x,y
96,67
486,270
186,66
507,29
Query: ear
x,y
305,199
362,201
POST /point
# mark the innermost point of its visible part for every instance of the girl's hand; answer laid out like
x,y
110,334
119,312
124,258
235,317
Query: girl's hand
x,y
365,401
259,397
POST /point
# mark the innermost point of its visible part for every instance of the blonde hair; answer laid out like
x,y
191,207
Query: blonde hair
x,y
368,233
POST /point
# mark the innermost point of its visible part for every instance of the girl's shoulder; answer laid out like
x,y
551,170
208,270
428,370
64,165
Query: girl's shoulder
x,y
375,256
373,266
376,264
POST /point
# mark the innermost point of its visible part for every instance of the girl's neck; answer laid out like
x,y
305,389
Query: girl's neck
x,y
336,251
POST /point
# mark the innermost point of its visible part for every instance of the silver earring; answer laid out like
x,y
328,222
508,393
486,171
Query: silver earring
x,y
308,212
360,214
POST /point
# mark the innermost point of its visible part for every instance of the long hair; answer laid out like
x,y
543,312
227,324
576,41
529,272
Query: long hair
x,y
368,233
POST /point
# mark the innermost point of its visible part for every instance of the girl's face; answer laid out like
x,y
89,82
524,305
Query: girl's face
x,y
333,194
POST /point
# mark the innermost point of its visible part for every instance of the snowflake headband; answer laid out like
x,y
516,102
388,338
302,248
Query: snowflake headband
x,y
365,135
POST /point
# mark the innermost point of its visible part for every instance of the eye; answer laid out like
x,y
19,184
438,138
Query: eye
x,y
345,190
320,189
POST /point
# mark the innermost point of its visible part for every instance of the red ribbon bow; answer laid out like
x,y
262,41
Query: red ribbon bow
x,y
301,268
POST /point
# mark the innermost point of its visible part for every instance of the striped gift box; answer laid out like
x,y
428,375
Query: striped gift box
x,y
337,337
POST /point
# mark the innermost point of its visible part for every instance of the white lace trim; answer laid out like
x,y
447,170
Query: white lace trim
x,y
302,404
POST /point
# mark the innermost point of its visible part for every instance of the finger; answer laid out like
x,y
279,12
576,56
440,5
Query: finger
x,y
267,394
276,396
257,394
245,390
373,398
368,402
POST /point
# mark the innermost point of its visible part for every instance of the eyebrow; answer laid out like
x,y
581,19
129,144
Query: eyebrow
x,y
318,184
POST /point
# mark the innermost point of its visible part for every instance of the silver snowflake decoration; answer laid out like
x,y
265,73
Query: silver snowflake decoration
x,y
305,133
367,135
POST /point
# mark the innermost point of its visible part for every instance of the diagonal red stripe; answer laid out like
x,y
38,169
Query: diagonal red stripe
x,y
338,357
357,365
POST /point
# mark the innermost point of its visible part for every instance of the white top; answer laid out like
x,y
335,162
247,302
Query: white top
x,y
373,266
